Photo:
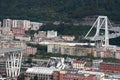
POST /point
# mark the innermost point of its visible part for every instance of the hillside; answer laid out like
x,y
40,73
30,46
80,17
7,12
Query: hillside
x,y
60,10
65,10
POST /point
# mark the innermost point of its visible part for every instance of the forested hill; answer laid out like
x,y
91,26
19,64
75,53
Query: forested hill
x,y
45,10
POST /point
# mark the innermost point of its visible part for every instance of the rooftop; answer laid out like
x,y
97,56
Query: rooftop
x,y
109,63
5,50
91,72
42,70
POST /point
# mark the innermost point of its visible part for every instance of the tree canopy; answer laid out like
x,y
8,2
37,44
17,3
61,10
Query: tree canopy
x,y
41,10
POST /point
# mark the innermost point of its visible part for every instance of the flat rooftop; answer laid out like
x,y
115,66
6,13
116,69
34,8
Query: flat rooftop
x,y
5,50
42,70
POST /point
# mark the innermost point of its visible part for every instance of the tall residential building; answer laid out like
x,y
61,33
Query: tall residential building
x,y
51,34
7,23
25,24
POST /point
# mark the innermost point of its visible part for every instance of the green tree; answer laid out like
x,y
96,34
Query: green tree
x,y
29,60
21,77
35,77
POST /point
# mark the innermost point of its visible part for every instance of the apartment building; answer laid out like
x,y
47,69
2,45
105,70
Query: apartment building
x,y
25,24
7,23
77,75
109,53
70,50
77,50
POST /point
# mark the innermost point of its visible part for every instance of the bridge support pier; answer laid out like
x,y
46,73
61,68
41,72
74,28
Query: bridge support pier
x,y
13,63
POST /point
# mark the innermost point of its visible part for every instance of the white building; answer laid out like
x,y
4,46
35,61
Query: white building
x,y
96,63
7,23
35,25
51,34
25,24
78,64
43,73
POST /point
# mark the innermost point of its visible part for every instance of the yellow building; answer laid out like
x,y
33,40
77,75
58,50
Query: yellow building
x,y
76,50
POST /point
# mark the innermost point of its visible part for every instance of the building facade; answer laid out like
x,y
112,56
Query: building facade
x,y
72,75
110,67
109,53
25,24
79,64
70,50
8,44
51,34
35,25
30,50
96,64
7,23
18,31
77,50
43,73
